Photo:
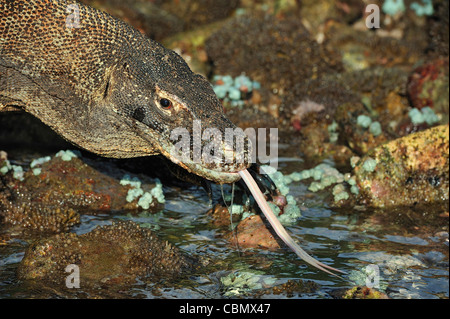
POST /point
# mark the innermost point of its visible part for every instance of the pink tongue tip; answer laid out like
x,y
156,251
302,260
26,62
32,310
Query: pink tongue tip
x,y
279,229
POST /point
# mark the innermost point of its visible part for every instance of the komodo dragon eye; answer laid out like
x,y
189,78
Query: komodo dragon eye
x,y
165,103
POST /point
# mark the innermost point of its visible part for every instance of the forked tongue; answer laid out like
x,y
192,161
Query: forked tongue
x,y
279,229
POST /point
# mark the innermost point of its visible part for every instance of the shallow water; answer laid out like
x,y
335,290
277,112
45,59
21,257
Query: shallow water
x,y
408,258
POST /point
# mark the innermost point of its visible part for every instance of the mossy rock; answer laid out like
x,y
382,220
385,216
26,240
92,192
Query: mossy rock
x,y
407,171
362,293
112,254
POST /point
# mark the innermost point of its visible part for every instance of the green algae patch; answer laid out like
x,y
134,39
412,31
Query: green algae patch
x,y
410,170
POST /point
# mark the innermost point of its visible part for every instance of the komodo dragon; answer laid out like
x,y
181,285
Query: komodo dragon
x,y
107,88
104,86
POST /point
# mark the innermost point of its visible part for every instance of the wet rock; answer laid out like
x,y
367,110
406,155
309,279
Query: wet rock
x,y
256,284
109,255
49,195
253,233
294,288
37,217
220,216
359,293
250,230
407,171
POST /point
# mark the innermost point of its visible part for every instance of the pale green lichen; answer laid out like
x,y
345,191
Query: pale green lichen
x,y
333,132
133,182
134,193
393,7
354,189
429,116
375,128
416,116
278,178
425,8
340,193
425,115
145,199
236,209
6,167
369,165
157,192
275,209
40,161
367,123
291,212
37,162
234,90
363,121
17,172
354,161
324,175
67,155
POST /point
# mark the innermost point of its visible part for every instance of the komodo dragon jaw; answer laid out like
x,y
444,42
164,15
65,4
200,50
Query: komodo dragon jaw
x,y
107,88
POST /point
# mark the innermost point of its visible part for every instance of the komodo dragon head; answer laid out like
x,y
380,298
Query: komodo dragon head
x,y
177,112
106,88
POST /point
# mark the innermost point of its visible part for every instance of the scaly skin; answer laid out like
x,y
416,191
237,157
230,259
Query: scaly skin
x,y
101,85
